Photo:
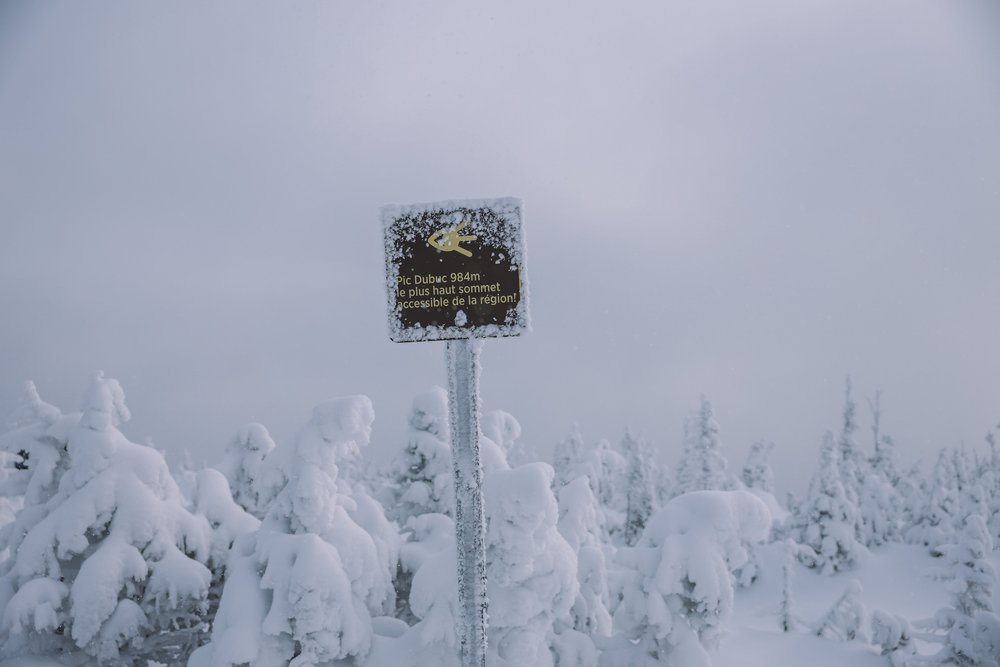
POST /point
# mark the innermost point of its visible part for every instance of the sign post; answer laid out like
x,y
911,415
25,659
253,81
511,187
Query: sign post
x,y
455,272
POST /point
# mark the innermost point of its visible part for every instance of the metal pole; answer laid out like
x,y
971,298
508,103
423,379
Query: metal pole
x,y
470,524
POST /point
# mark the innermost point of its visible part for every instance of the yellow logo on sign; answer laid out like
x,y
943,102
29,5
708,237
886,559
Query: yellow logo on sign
x,y
448,239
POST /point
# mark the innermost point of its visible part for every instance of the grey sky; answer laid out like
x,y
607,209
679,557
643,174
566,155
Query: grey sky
x,y
749,200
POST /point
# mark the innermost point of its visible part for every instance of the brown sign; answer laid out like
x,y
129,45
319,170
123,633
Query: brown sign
x,y
455,270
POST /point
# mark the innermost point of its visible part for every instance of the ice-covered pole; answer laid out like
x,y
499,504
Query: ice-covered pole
x,y
470,525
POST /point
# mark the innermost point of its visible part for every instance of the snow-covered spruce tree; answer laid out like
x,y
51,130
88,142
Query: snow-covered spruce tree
x,y
854,469
639,492
911,489
36,449
579,524
680,589
884,460
433,599
851,462
422,475
570,460
33,463
421,481
879,504
111,564
880,510
757,473
302,589
10,500
611,488
431,537
894,636
937,511
825,522
991,482
703,467
531,569
845,620
962,467
605,470
504,429
243,467
758,478
970,626
790,553
973,499
211,498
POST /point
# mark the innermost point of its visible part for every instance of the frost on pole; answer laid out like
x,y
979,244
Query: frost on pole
x,y
455,270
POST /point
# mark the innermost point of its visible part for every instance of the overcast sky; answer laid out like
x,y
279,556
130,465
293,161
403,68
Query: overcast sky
x,y
749,200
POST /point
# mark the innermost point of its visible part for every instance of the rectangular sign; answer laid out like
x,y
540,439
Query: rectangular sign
x,y
455,270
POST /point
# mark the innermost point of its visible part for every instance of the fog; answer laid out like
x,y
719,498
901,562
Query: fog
x,y
749,201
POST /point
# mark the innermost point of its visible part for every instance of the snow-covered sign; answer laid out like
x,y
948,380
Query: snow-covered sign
x,y
455,269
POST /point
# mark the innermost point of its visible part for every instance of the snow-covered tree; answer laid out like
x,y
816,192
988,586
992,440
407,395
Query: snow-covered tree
x,y
757,473
879,503
970,626
990,479
106,559
302,589
787,618
243,467
968,569
639,492
937,512
680,589
825,522
36,450
884,460
570,461
703,467
531,569
894,636
880,509
211,498
845,620
423,477
611,487
504,429
432,598
850,460
605,470
580,524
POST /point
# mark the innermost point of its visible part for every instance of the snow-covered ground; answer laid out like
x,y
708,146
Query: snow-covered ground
x,y
893,578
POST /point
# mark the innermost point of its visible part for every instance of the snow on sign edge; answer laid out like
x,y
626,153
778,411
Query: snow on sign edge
x,y
510,208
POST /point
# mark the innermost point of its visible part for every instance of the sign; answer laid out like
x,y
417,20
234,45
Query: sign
x,y
455,270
